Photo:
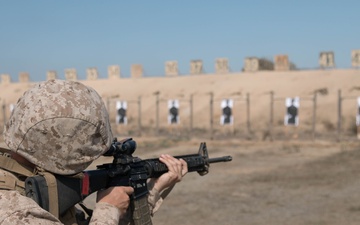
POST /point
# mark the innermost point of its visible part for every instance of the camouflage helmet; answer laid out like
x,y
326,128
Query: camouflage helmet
x,y
60,126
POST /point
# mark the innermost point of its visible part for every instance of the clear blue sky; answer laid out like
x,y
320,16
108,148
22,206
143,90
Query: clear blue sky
x,y
37,36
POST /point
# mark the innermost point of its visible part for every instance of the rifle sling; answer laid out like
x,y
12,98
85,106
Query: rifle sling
x,y
11,183
52,192
12,165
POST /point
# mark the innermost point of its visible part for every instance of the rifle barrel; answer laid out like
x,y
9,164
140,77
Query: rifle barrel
x,y
220,159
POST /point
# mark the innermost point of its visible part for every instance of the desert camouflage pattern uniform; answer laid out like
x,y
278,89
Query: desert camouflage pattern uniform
x,y
61,127
16,209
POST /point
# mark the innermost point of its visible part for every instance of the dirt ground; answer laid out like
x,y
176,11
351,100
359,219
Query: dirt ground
x,y
289,182
293,182
268,182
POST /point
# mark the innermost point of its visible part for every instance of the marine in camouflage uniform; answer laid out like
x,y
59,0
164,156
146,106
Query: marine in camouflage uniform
x,y
60,127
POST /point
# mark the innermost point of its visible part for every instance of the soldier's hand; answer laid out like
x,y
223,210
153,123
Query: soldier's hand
x,y
177,169
118,196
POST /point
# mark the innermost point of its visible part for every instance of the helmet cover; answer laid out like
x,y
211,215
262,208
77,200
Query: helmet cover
x,y
60,126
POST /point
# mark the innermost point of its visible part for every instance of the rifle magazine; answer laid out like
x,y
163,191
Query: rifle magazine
x,y
141,211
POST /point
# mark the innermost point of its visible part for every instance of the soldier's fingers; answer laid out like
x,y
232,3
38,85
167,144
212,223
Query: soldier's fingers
x,y
184,170
128,190
172,163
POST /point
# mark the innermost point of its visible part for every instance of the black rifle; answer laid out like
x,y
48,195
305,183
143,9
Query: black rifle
x,y
125,170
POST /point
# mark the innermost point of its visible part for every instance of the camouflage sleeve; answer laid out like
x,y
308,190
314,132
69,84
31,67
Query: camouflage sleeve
x,y
155,199
16,209
105,214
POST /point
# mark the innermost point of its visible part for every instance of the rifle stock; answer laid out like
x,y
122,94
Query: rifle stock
x,y
125,170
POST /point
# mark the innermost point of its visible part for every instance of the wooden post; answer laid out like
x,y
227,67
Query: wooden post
x,y
211,115
4,114
339,116
139,112
191,112
314,116
157,112
248,112
271,115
